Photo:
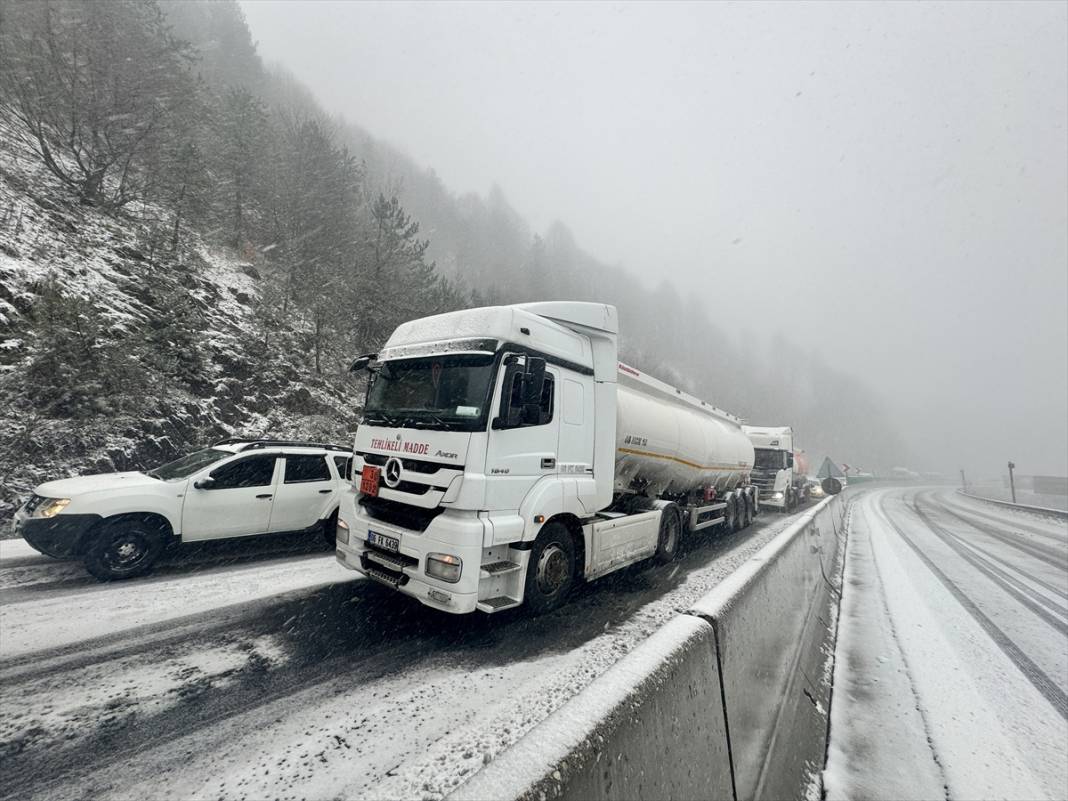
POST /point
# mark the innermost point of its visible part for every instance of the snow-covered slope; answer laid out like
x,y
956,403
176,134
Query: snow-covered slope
x,y
119,277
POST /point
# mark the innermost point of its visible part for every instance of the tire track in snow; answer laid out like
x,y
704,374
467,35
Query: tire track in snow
x,y
1061,540
1022,593
1034,674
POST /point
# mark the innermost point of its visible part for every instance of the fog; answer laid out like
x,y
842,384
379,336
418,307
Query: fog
x,y
886,184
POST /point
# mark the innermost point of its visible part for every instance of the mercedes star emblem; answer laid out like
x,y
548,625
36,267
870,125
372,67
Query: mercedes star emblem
x,y
393,471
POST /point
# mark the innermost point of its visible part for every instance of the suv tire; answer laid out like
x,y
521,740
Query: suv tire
x,y
124,547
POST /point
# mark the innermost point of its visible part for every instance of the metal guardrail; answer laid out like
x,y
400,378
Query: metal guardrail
x,y
1042,510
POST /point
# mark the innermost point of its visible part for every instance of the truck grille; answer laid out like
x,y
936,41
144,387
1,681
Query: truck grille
x,y
414,465
412,518
766,481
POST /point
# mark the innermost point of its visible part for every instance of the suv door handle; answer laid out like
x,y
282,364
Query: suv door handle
x,y
325,492
264,496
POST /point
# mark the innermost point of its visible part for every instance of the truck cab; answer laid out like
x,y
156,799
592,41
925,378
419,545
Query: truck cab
x,y
775,470
482,428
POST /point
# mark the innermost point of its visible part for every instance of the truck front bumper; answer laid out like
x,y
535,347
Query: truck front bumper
x,y
455,533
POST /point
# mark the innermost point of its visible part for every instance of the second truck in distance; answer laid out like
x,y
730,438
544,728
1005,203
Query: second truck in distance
x,y
505,453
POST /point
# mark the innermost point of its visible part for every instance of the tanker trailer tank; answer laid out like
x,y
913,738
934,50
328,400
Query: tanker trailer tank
x,y
671,444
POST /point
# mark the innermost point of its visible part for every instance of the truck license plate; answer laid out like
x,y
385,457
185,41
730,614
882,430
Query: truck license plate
x,y
382,541
369,480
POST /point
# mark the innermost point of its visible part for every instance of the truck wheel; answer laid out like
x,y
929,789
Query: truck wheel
x,y
754,498
730,515
667,544
329,529
747,510
124,548
551,569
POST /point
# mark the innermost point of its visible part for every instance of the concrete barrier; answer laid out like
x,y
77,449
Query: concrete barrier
x,y
729,700
651,727
774,624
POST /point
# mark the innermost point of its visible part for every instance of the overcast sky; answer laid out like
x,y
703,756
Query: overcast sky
x,y
887,183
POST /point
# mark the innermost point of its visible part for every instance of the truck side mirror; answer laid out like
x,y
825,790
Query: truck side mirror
x,y
360,363
533,380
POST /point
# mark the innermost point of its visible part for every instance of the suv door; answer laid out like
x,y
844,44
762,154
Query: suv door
x,y
235,503
305,492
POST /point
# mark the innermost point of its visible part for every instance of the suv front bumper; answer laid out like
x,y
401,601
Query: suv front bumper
x,y
62,536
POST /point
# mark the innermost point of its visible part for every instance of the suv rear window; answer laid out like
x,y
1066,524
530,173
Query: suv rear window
x,y
344,466
306,468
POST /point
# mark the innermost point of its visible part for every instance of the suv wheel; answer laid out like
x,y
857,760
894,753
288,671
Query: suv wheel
x,y
124,548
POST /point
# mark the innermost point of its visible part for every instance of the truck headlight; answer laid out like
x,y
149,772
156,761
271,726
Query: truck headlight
x,y
342,531
444,566
776,496
50,507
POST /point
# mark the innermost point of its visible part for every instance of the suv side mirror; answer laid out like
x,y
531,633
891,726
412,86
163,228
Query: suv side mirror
x,y
204,483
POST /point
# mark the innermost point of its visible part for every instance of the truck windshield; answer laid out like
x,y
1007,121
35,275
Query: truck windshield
x,y
769,459
187,465
441,392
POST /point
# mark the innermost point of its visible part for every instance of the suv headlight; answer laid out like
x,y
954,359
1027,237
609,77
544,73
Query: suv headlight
x,y
50,507
444,566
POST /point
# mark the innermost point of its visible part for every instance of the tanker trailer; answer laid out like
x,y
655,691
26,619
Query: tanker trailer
x,y
505,453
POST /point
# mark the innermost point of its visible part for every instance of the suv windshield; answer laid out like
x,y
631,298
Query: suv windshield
x,y
187,465
769,459
442,392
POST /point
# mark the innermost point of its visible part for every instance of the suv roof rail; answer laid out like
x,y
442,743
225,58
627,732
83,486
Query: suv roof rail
x,y
249,444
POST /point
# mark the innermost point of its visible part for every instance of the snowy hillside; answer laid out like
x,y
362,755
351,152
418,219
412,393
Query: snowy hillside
x,y
67,268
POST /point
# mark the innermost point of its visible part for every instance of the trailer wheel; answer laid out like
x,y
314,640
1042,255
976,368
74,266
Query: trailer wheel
x,y
551,570
124,547
667,544
730,515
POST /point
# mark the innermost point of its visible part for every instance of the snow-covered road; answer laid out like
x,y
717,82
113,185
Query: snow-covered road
x,y
951,676
234,676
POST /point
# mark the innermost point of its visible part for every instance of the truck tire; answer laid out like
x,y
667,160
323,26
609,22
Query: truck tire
x,y
124,547
667,543
747,509
730,515
551,569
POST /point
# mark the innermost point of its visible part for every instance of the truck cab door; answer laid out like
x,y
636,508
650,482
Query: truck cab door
x,y
233,500
524,435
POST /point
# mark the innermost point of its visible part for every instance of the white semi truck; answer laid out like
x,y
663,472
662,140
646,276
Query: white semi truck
x,y
779,471
506,453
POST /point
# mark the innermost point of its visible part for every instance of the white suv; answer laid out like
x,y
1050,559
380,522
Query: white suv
x,y
120,523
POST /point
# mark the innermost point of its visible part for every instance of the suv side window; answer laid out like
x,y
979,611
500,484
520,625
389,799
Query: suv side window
x,y
545,409
300,469
344,466
252,471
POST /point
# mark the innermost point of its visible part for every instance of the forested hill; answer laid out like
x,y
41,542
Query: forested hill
x,y
191,246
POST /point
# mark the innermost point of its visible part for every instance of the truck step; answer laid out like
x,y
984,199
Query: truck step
x,y
497,604
499,568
